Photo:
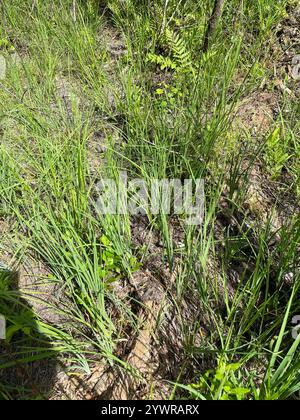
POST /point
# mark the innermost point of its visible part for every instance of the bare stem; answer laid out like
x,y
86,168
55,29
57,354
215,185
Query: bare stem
x,y
212,24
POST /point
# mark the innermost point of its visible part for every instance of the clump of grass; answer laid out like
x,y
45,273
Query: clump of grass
x,y
166,110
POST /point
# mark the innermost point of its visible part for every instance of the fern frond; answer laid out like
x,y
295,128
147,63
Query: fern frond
x,y
163,62
179,50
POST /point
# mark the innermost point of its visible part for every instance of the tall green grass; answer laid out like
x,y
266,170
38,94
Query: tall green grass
x,y
166,110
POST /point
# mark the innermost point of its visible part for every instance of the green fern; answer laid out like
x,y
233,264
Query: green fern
x,y
180,61
163,62
181,55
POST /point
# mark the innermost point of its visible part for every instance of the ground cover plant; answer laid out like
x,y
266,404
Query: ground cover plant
x,y
145,305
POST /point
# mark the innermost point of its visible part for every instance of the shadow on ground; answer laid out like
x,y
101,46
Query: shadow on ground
x,y
27,361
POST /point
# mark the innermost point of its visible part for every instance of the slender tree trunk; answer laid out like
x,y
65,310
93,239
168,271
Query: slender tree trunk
x,y
212,24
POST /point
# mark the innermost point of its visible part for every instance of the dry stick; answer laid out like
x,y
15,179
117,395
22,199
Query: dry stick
x,y
164,22
212,24
74,17
34,4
